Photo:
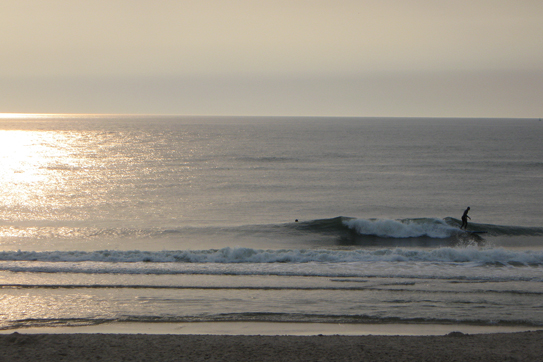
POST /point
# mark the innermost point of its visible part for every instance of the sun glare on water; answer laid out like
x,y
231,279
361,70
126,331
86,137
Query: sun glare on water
x,y
26,161
41,115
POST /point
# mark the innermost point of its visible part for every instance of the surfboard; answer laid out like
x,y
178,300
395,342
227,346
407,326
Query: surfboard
x,y
475,232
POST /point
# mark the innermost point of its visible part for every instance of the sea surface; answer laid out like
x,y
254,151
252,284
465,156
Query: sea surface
x,y
325,220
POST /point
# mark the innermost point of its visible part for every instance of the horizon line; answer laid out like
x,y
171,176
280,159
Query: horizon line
x,y
21,115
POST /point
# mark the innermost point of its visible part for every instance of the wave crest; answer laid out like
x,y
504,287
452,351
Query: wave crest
x,y
408,228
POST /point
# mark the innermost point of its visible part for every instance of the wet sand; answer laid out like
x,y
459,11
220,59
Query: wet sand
x,y
455,346
273,329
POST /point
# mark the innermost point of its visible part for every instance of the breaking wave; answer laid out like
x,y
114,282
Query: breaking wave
x,y
229,255
413,228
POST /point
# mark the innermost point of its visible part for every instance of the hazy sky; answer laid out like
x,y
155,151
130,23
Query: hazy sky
x,y
432,58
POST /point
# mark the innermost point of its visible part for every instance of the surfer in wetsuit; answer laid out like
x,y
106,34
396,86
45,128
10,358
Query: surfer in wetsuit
x,y
465,218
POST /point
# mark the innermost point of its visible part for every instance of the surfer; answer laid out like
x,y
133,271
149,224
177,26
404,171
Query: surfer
x,y
465,218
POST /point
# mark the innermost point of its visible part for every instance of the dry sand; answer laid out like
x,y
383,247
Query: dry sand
x,y
456,346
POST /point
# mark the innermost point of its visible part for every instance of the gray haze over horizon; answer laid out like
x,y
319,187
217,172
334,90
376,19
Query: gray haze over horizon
x,y
390,58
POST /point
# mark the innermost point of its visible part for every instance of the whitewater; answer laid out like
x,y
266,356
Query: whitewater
x,y
147,219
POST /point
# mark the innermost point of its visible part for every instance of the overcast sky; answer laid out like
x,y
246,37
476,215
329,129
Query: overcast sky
x,y
429,58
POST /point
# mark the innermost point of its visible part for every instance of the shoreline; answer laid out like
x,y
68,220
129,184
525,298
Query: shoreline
x,y
456,346
272,329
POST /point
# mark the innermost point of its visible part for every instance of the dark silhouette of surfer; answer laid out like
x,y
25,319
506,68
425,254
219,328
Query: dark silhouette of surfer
x,y
465,218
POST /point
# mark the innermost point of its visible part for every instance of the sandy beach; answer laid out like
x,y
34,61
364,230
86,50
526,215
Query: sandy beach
x,y
455,346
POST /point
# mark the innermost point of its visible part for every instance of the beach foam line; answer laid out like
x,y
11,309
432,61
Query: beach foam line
x,y
273,329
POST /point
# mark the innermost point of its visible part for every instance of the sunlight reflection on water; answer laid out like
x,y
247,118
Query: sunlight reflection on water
x,y
26,158
36,166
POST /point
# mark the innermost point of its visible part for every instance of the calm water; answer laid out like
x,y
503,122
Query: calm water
x,y
171,219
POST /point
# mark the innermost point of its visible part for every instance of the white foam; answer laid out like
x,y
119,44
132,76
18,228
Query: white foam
x,y
248,255
434,228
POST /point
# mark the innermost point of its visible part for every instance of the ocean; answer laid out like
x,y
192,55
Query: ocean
x,y
174,219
